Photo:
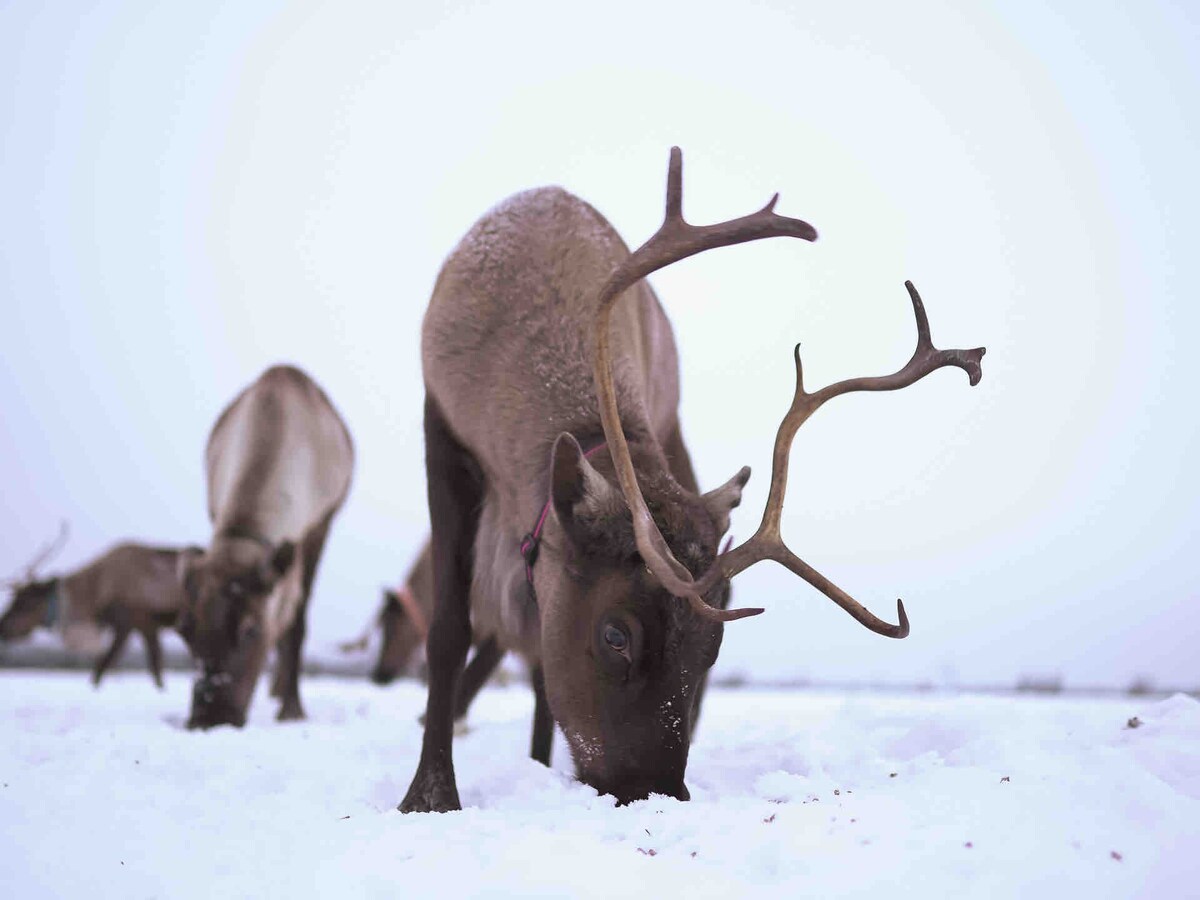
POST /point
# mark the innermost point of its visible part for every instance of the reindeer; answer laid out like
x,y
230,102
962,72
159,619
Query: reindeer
x,y
404,622
619,592
279,462
131,587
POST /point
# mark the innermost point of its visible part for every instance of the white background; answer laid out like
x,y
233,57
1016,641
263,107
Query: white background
x,y
189,195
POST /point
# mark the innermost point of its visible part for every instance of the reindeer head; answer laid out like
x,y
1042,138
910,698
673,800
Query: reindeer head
x,y
33,598
404,620
404,626
626,555
31,607
622,661
224,622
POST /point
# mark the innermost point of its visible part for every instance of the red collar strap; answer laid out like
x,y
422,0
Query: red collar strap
x,y
531,541
405,597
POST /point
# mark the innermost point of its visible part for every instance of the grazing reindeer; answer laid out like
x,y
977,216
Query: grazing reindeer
x,y
130,588
524,322
35,601
404,622
279,463
404,619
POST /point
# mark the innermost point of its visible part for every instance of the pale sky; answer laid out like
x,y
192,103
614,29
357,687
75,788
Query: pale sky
x,y
189,194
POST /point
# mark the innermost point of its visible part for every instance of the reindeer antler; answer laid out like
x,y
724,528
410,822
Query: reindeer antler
x,y
674,241
42,556
767,543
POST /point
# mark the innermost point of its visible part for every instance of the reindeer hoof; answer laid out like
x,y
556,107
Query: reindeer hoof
x,y
291,711
205,722
431,793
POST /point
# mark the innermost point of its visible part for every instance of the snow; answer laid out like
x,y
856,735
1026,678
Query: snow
x,y
793,794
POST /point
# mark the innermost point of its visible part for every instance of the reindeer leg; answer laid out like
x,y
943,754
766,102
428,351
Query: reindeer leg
x,y
543,722
279,674
455,496
282,672
153,654
118,644
292,643
286,681
479,670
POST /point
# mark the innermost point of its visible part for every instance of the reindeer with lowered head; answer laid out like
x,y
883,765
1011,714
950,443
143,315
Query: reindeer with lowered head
x,y
552,392
403,621
131,587
278,462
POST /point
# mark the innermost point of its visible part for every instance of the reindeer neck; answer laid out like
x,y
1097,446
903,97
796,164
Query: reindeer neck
x,y
240,532
55,606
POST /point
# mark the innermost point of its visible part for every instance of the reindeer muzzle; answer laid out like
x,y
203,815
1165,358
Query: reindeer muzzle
x,y
213,702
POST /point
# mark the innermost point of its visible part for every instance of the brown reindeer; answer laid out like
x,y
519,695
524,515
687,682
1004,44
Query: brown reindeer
x,y
403,620
278,464
131,587
552,390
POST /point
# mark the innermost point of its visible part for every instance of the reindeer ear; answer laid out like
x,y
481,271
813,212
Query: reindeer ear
x,y
721,501
580,493
281,560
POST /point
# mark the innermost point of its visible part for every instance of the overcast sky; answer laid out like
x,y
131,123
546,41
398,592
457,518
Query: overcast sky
x,y
189,194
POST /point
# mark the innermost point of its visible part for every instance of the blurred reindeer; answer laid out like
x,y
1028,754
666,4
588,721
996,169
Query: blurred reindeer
x,y
278,465
403,620
131,587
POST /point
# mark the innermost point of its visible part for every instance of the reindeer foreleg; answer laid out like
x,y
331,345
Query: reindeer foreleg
x,y
455,496
153,654
118,644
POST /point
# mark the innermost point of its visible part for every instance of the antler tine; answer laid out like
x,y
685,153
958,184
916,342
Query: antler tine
x,y
675,240
767,543
48,551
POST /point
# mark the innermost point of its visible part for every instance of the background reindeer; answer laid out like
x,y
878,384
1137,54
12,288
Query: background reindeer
x,y
278,464
131,587
403,621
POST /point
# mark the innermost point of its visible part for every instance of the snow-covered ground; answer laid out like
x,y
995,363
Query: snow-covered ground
x,y
793,794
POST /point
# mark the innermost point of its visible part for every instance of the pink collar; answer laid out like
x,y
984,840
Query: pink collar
x,y
529,543
405,597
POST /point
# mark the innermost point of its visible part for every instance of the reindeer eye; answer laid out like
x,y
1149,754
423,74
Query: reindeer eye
x,y
616,638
